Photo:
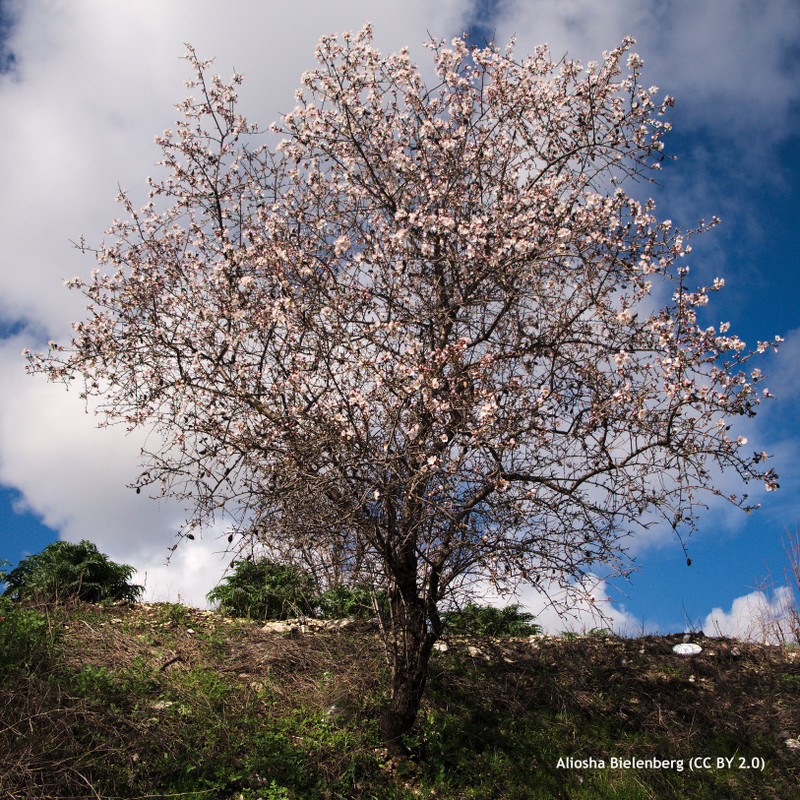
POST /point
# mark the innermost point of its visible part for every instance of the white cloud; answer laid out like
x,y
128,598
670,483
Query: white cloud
x,y
585,607
730,61
757,617
94,82
191,572
97,80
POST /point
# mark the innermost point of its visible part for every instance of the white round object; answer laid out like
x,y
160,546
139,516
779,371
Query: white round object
x,y
687,649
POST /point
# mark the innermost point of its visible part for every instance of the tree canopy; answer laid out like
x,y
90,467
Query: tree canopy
x,y
428,339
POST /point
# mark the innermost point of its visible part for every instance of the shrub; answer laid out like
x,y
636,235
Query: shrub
x,y
356,602
66,571
475,620
25,637
265,590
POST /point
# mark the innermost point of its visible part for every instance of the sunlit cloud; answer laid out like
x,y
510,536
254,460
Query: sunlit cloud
x,y
757,617
92,82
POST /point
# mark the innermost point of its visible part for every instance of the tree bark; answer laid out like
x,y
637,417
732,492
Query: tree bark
x,y
410,652
408,687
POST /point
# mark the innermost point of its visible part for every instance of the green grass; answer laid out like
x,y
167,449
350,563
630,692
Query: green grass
x,y
166,701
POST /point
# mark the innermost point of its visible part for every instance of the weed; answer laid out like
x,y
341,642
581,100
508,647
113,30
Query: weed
x,y
272,792
26,637
173,615
242,714
357,602
600,632
777,618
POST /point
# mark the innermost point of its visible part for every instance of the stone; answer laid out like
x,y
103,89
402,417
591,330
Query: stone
x,y
280,627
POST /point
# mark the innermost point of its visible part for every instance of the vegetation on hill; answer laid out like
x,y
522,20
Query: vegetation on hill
x,y
65,570
133,701
263,589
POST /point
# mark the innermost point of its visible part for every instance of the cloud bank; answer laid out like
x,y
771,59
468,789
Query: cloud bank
x,y
757,617
92,82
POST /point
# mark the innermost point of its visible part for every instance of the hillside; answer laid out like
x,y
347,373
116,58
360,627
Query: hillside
x,y
134,701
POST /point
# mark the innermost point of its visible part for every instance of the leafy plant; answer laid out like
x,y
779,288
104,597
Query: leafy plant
x,y
25,635
64,570
357,602
173,615
475,620
264,590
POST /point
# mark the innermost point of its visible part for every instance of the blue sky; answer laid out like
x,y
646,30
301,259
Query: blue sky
x,y
86,85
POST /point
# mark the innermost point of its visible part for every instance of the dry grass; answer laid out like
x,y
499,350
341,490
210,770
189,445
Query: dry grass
x,y
135,689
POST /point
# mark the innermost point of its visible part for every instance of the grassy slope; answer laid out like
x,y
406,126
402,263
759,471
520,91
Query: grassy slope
x,y
166,701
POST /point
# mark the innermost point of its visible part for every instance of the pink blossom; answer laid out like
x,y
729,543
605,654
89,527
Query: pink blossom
x,y
421,320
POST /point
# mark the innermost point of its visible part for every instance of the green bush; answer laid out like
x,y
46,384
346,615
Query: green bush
x,y
356,602
66,571
475,620
26,638
265,590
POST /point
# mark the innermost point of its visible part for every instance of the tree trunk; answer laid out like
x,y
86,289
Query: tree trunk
x,y
399,716
411,651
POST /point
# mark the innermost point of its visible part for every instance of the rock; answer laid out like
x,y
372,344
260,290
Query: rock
x,y
340,624
687,649
308,625
280,627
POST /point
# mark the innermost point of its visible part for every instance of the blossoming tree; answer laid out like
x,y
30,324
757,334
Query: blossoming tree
x,y
419,340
